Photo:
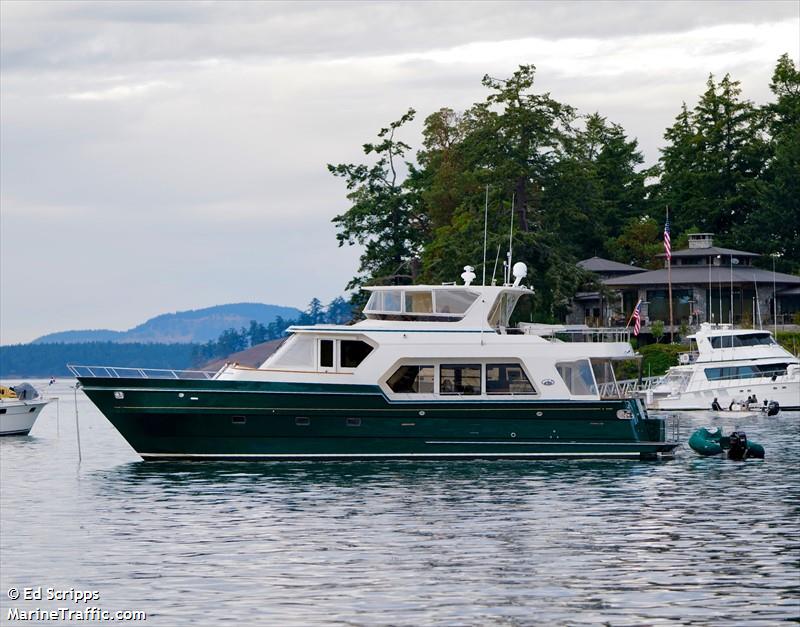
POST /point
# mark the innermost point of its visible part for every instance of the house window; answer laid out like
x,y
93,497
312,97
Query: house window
x,y
412,380
353,352
326,353
507,379
460,379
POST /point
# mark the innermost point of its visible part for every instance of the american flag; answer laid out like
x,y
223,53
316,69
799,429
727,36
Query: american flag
x,y
637,319
667,243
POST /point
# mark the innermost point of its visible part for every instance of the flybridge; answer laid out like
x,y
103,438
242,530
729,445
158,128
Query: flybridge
x,y
476,307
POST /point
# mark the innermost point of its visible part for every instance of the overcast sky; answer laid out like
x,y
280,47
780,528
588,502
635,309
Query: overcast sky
x,y
158,156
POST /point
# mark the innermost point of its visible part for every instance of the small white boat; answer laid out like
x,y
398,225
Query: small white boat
x,y
19,409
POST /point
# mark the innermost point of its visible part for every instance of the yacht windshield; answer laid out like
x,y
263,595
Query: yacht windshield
x,y
442,305
749,339
510,309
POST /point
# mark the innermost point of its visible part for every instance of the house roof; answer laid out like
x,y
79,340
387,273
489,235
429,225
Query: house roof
x,y
711,250
598,264
694,275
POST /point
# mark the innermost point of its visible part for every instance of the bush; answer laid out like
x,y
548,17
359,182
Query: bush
x,y
657,329
656,360
790,340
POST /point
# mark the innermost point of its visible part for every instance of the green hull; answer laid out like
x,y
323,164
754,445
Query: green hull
x,y
180,419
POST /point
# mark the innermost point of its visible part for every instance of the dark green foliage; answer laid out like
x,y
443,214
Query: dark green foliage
x,y
775,227
712,162
658,358
639,243
383,217
577,186
338,311
790,340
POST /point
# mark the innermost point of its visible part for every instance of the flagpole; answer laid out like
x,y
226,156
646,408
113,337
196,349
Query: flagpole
x,y
633,313
669,281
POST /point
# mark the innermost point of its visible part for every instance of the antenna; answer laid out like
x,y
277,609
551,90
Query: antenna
x,y
496,259
485,227
510,238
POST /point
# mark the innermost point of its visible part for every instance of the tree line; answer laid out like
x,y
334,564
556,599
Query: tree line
x,y
51,359
338,311
578,184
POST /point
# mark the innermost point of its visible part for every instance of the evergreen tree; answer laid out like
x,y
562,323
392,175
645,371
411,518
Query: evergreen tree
x,y
775,227
713,160
383,216
315,312
338,311
257,333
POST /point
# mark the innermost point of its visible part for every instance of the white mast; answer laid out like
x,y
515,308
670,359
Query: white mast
x,y
485,231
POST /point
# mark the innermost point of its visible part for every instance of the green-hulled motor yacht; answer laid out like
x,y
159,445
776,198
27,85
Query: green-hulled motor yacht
x,y
432,372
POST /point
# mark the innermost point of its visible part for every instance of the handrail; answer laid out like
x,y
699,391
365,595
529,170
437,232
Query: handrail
x,y
124,372
627,387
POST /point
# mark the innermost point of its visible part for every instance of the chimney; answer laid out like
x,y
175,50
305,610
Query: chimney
x,y
701,240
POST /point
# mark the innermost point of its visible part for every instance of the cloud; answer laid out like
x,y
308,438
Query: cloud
x,y
119,92
172,155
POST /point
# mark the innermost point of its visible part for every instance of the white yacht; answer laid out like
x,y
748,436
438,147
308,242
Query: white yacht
x,y
729,365
433,372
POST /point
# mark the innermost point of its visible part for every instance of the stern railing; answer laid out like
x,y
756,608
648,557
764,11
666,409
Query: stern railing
x,y
124,372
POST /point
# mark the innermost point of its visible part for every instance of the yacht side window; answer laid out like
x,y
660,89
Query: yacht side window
x,y
419,302
454,301
326,353
391,301
578,377
352,353
507,379
458,379
412,380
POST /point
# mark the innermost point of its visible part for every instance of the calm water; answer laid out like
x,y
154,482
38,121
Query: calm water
x,y
691,541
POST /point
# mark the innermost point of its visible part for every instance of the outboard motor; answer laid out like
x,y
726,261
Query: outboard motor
x,y
738,445
773,409
739,448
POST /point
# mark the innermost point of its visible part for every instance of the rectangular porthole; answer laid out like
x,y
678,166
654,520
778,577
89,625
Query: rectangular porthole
x,y
239,420
31,409
354,422
302,421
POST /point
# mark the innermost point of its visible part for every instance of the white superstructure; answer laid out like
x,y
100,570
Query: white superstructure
x,y
730,365
434,343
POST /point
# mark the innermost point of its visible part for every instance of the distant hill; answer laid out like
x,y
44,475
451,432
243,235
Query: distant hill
x,y
193,326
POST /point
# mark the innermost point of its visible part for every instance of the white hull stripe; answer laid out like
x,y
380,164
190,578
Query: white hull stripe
x,y
377,455
558,443
293,410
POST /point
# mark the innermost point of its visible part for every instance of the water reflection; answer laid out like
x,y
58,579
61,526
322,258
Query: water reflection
x,y
422,543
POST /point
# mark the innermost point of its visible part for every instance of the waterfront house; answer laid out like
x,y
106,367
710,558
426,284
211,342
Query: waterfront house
x,y
709,284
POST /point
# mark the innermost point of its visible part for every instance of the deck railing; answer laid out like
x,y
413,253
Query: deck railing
x,y
122,372
628,387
